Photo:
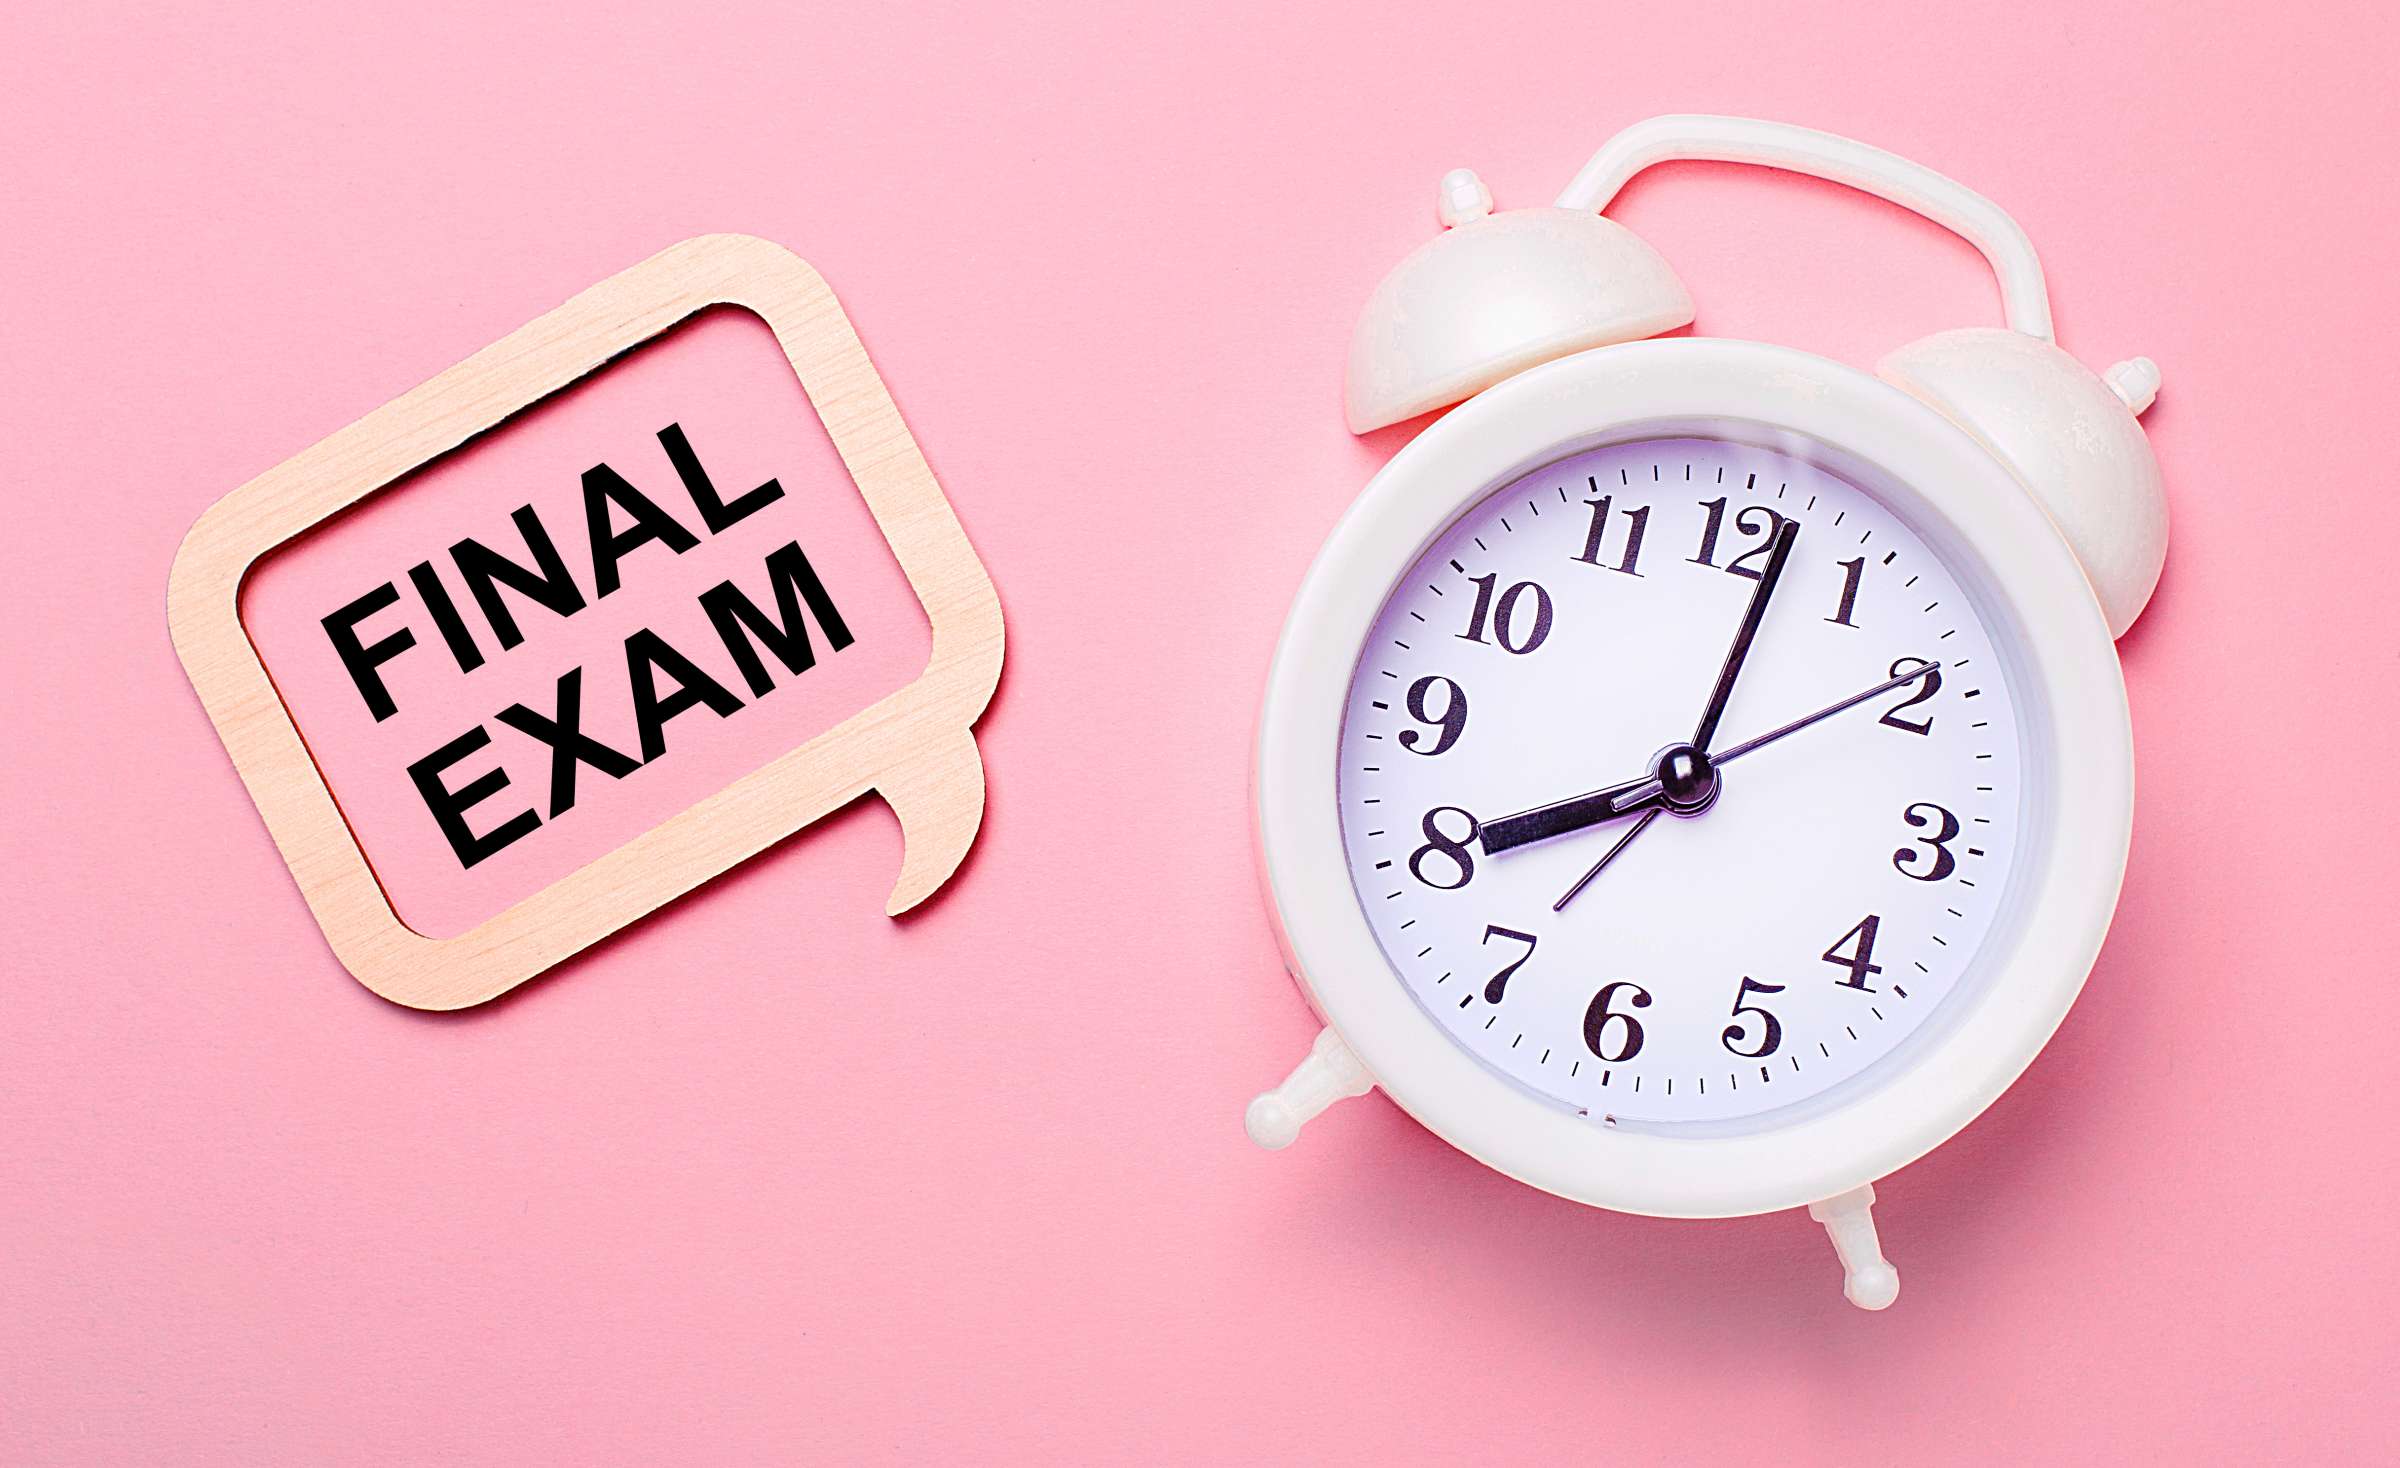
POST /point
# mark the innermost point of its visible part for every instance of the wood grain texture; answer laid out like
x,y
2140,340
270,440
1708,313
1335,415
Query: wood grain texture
x,y
913,747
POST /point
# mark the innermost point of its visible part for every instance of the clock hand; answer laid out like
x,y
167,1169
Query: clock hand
x,y
1827,712
1649,817
1742,636
1505,833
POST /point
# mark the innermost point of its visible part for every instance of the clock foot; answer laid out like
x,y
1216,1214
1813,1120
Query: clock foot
x,y
1868,1279
1329,1073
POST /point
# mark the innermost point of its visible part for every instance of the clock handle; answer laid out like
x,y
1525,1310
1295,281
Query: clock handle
x,y
1888,176
1330,1072
1868,1279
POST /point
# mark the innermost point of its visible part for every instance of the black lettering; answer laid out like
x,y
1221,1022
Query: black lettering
x,y
445,616
362,661
738,619
450,807
714,512
646,650
569,745
603,486
485,571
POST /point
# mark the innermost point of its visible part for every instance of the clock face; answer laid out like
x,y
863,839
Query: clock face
x,y
1822,894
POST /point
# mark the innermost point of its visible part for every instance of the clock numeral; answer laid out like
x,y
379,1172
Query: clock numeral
x,y
1861,962
1740,565
1908,859
1600,1015
1497,989
1462,861
1637,522
1755,520
1452,720
1770,1036
1852,570
1927,687
1505,627
1708,532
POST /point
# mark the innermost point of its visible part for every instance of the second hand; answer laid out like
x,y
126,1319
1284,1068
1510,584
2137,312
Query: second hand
x,y
1728,757
1827,712
1648,816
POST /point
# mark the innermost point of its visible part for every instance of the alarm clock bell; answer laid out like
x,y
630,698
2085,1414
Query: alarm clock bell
x,y
1494,295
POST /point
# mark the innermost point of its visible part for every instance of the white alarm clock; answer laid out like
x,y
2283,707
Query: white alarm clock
x,y
1695,777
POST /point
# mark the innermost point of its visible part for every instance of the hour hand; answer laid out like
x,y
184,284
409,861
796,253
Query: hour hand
x,y
1575,813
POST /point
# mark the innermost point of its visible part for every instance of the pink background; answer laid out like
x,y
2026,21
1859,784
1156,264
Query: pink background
x,y
724,379
773,1177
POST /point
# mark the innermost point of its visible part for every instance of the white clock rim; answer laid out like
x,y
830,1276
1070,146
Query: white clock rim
x,y
1942,480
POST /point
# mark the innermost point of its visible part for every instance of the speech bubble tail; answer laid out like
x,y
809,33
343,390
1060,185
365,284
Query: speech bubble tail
x,y
939,799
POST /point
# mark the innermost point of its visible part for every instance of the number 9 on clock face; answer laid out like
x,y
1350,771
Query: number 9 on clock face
x,y
1730,963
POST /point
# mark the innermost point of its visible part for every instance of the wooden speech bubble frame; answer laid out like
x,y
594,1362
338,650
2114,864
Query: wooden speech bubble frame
x,y
915,747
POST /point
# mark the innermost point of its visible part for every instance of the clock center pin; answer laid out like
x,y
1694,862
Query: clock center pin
x,y
1688,779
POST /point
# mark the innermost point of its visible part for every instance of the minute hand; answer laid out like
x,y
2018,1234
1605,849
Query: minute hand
x,y
1777,555
1827,712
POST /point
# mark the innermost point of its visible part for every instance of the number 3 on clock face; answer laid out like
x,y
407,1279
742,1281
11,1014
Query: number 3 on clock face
x,y
1755,957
